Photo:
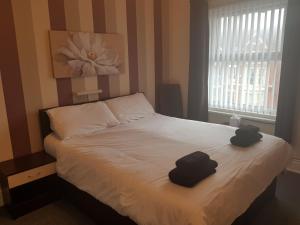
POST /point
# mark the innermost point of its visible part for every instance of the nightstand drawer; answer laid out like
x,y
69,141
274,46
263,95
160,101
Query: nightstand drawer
x,y
31,175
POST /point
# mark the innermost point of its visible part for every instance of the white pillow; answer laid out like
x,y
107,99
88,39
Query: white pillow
x,y
130,108
69,121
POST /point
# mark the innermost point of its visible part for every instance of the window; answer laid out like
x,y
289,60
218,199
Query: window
x,y
246,41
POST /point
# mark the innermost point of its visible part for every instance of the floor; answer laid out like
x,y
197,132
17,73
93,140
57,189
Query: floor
x,y
284,210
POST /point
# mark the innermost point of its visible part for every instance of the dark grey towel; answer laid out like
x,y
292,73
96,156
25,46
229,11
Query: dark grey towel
x,y
179,177
245,140
198,166
192,159
247,130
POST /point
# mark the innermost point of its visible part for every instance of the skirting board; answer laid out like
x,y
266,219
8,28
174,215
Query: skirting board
x,y
294,166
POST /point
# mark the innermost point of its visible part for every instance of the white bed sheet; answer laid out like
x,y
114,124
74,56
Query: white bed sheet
x,y
126,167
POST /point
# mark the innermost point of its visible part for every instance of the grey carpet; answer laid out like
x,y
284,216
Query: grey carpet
x,y
284,210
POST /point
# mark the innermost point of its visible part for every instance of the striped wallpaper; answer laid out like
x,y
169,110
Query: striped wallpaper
x,y
26,81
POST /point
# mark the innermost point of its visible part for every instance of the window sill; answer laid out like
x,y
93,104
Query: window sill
x,y
244,117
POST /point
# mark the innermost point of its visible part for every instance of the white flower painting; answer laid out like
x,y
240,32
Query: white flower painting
x,y
78,54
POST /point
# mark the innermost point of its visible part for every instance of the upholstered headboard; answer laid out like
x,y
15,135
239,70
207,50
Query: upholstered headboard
x,y
45,121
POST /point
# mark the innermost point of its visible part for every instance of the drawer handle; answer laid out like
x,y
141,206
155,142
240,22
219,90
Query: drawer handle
x,y
30,176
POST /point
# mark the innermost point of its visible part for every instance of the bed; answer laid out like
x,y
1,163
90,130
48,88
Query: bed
x,y
124,169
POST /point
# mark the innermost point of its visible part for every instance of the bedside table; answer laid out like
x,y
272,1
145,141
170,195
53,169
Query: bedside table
x,y
28,183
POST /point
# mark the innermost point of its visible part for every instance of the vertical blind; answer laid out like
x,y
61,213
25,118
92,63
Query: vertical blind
x,y
246,40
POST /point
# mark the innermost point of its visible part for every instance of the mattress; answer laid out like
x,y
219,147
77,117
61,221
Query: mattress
x,y
126,167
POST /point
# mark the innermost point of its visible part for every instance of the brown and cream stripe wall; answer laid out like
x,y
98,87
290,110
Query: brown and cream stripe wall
x,y
27,83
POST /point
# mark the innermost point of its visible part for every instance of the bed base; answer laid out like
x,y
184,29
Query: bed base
x,y
103,214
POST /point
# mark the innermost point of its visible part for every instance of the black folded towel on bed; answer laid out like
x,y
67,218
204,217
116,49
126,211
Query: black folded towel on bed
x,y
192,159
246,136
196,166
245,140
247,130
182,178
192,168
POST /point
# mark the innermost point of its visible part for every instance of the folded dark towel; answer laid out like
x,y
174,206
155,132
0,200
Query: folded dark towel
x,y
245,140
247,130
198,166
179,177
192,159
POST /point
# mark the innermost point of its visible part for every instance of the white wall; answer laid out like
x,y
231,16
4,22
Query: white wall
x,y
176,34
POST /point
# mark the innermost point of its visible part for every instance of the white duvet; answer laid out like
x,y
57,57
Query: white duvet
x,y
126,167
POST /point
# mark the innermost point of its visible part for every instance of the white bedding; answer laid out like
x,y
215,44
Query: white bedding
x,y
126,167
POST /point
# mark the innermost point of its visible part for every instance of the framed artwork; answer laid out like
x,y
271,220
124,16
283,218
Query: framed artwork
x,y
81,54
